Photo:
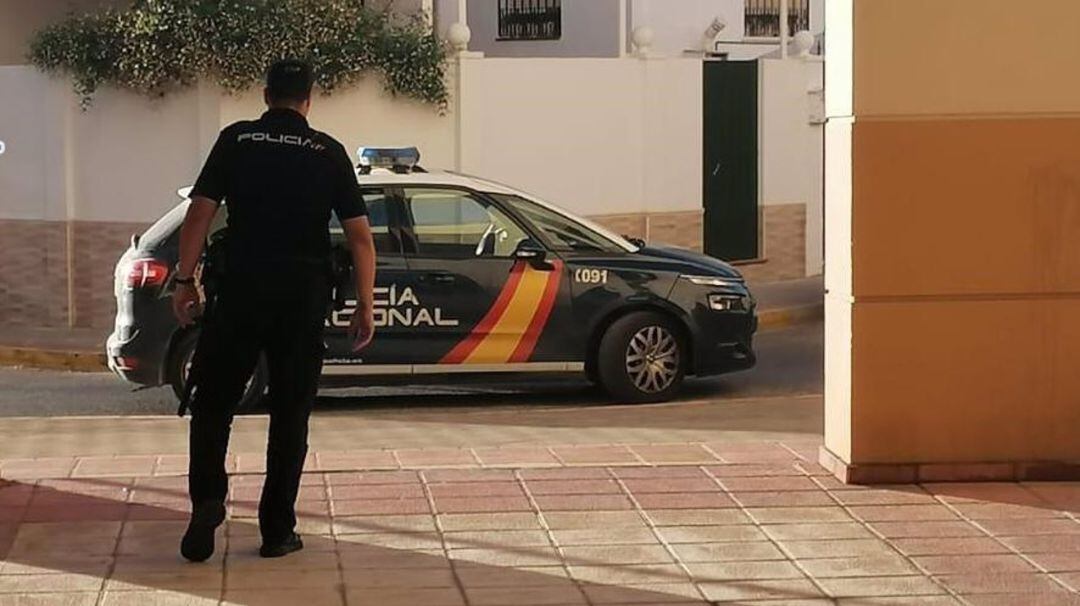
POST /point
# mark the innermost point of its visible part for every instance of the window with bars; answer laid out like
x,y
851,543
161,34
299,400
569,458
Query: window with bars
x,y
530,19
763,17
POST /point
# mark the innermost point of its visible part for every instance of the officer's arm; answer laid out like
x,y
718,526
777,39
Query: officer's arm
x,y
362,247
193,233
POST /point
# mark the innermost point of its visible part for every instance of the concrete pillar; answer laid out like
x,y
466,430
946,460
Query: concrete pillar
x,y
952,240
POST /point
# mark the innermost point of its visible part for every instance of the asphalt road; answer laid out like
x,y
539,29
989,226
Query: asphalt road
x,y
790,362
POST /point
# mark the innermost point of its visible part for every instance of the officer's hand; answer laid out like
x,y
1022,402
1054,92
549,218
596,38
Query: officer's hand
x,y
185,303
362,327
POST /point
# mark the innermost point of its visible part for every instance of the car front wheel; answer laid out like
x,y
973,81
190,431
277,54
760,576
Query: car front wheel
x,y
180,365
642,358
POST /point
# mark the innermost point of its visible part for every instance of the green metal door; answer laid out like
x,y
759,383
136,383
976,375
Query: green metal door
x,y
730,167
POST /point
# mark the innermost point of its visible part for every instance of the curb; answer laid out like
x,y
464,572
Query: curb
x,y
784,317
92,361
53,359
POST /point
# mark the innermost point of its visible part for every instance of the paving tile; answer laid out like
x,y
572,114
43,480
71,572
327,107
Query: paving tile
x,y
516,456
436,457
1015,527
355,459
949,546
817,531
525,596
316,596
899,496
396,540
91,565
656,593
384,523
1045,543
373,477
711,534
160,562
793,498
860,566
479,504
983,492
160,598
727,552
565,473
633,574
357,556
750,484
837,548
990,583
475,489
660,454
15,495
378,491
968,563
589,520
561,487
440,596
604,536
930,529
690,500
182,579
998,511
86,538
659,473
1011,599
902,513
496,539
600,555
596,455
246,561
54,467
591,502
743,571
1071,579
479,575
489,521
734,471
274,579
924,600
640,486
913,585
39,583
82,598
459,476
787,591
380,506
538,555
798,515
150,537
254,493
1052,562
697,517
414,578
77,513
135,465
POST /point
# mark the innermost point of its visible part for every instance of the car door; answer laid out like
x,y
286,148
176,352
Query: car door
x,y
475,302
392,344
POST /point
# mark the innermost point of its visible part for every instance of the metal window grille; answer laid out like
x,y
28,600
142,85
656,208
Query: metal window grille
x,y
530,19
763,17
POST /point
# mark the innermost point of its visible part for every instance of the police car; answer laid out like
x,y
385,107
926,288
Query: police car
x,y
476,279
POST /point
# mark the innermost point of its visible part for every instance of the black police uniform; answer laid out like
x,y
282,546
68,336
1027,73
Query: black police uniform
x,y
280,180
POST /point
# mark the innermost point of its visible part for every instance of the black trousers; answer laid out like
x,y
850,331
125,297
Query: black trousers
x,y
282,316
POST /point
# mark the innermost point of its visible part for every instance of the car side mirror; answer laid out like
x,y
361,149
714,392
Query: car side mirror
x,y
530,250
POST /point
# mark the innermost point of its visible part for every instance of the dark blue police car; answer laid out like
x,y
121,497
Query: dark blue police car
x,y
477,279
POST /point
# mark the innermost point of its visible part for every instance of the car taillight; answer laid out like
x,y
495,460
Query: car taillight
x,y
145,273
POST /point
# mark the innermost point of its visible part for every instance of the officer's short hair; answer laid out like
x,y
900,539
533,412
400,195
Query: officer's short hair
x,y
289,80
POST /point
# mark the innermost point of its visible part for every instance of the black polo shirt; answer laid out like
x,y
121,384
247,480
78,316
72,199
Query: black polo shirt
x,y
279,179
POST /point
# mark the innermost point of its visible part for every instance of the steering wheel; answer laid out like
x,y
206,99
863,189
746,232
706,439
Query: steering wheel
x,y
492,231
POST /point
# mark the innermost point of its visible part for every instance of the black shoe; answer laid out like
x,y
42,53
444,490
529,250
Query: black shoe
x,y
277,549
198,542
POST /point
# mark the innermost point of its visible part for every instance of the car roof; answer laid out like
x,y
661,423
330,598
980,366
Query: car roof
x,y
437,177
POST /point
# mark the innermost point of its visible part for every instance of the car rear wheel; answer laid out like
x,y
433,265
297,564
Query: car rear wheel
x,y
180,365
642,358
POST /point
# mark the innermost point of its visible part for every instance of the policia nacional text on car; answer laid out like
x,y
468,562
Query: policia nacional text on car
x,y
280,179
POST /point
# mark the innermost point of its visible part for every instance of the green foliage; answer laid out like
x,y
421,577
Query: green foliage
x,y
160,45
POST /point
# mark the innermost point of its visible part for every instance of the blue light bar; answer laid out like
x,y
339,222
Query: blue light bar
x,y
397,159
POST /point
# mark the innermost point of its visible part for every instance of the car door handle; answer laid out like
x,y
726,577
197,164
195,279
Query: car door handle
x,y
442,278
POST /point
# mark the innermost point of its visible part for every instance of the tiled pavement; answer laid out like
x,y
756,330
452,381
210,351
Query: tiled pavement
x,y
647,524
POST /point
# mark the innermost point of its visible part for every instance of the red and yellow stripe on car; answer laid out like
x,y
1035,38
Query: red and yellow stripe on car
x,y
510,329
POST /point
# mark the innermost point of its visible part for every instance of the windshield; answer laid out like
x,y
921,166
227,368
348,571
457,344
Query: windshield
x,y
566,233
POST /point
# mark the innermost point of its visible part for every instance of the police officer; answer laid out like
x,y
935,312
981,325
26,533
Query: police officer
x,y
280,180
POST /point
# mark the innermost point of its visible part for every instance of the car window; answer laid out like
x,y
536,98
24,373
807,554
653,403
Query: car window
x,y
455,225
378,208
563,232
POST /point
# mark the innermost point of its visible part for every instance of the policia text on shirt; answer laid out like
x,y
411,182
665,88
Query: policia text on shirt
x,y
280,180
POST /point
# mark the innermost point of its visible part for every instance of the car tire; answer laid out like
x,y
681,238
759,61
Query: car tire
x,y
180,360
642,358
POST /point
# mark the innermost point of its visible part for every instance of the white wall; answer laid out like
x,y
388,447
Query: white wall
x,y
596,136
27,185
791,147
590,28
679,26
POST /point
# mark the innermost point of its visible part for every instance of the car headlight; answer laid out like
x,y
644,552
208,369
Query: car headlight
x,y
730,303
711,280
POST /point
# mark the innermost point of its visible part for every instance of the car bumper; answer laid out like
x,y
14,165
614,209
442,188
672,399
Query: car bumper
x,y
135,357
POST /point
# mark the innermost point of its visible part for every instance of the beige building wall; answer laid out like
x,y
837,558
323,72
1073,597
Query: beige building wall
x,y
20,19
953,253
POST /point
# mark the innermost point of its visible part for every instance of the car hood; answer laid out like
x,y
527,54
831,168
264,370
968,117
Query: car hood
x,y
695,262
